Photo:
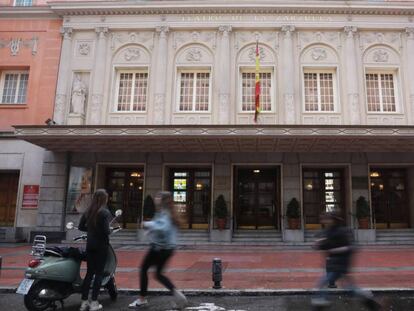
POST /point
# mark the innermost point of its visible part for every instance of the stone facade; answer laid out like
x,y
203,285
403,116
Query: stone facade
x,y
101,40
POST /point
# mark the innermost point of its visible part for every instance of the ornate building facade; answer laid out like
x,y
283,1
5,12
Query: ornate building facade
x,y
160,95
29,58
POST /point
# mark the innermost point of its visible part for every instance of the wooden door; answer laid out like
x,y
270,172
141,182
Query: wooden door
x,y
9,183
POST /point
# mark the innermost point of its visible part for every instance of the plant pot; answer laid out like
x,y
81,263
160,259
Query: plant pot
x,y
363,223
294,223
221,223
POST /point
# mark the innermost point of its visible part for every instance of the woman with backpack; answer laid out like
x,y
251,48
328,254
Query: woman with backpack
x,y
96,222
162,231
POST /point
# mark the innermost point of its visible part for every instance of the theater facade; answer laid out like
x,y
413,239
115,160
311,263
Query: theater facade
x,y
160,95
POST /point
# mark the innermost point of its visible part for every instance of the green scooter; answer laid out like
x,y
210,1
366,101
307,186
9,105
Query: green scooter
x,y
54,273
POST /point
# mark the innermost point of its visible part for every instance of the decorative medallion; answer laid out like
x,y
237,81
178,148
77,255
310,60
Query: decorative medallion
x,y
252,53
194,55
319,54
381,56
132,54
84,48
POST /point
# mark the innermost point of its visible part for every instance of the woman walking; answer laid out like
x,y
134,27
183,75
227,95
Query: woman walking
x,y
162,231
95,221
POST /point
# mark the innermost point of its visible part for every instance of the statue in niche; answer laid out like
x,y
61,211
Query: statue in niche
x,y
78,95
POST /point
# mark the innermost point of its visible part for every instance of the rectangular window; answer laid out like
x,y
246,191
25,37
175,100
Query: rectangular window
x,y
23,3
249,91
13,87
319,91
194,91
132,91
380,88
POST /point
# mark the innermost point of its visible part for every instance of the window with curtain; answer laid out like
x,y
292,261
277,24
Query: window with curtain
x,y
248,89
320,92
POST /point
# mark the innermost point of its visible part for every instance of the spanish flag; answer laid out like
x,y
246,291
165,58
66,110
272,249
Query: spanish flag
x,y
257,89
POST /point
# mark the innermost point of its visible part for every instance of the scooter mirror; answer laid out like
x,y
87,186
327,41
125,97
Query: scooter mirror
x,y
118,212
70,225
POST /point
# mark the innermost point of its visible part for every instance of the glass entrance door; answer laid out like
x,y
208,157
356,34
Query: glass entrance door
x,y
389,198
125,188
323,191
256,198
191,188
9,183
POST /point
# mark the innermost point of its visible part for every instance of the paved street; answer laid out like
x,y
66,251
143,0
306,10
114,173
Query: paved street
x,y
244,267
400,302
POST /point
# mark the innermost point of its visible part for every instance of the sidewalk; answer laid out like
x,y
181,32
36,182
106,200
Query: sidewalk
x,y
244,267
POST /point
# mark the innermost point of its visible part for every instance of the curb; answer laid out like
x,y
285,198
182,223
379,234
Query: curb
x,y
241,292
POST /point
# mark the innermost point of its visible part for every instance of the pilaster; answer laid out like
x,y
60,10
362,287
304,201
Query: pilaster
x,y
161,74
224,75
288,66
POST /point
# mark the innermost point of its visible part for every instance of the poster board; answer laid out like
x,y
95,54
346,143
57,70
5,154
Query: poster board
x,y
79,193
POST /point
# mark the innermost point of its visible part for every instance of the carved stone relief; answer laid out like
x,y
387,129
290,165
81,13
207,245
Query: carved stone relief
x,y
96,107
14,45
159,104
319,54
132,54
289,108
390,38
252,53
247,55
60,103
327,37
181,38
243,38
144,38
193,55
381,56
83,48
224,100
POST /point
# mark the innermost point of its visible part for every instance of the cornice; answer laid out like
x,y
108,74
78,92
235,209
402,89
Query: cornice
x,y
231,7
13,12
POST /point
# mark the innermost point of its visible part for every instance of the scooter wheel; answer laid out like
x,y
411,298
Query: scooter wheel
x,y
32,300
112,289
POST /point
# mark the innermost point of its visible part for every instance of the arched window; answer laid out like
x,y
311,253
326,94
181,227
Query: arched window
x,y
381,65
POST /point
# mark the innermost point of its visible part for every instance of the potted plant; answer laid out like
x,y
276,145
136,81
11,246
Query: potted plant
x,y
220,212
149,208
362,213
293,214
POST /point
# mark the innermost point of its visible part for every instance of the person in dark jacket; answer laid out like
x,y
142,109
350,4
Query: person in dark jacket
x,y
336,242
96,221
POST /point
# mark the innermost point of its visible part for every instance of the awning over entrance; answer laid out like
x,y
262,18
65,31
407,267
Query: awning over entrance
x,y
220,138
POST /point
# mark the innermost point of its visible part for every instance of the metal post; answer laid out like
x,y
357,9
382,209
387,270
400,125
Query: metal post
x,y
1,262
217,273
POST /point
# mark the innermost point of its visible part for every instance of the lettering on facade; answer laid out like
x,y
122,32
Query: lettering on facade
x,y
255,18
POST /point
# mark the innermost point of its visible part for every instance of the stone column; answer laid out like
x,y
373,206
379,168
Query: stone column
x,y
410,67
161,74
352,93
64,75
98,77
288,67
224,75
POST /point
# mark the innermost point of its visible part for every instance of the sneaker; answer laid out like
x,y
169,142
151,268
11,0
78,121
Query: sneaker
x,y
84,305
137,303
180,298
320,302
95,306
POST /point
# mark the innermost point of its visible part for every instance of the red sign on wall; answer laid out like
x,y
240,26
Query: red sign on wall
x,y
30,196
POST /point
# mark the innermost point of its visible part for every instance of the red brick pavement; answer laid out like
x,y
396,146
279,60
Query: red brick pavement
x,y
246,267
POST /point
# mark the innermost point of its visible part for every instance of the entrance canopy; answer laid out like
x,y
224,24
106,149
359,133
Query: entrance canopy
x,y
220,138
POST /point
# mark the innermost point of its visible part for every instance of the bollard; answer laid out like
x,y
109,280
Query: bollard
x,y
1,261
217,273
